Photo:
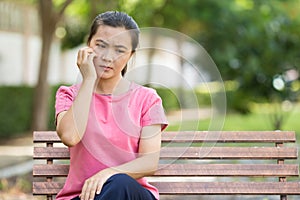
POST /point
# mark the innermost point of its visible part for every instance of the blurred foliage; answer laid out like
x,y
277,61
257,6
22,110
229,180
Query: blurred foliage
x,y
16,110
51,123
251,41
194,98
79,16
170,101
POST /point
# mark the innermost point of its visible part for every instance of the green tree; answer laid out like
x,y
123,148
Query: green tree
x,y
253,43
79,16
50,15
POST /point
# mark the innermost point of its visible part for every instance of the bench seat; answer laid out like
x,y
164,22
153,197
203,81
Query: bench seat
x,y
196,163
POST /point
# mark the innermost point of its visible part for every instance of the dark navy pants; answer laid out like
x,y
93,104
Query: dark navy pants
x,y
122,187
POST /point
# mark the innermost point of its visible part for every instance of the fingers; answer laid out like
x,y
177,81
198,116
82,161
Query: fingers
x,y
99,188
85,63
91,56
90,189
85,55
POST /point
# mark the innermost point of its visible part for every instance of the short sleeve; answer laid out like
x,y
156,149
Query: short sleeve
x,y
64,98
153,112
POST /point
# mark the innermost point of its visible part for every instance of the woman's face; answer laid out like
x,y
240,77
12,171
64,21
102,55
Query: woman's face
x,y
113,48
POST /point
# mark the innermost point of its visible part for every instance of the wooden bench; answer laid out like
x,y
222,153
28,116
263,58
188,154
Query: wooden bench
x,y
196,163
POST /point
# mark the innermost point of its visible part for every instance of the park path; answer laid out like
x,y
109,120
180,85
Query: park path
x,y
189,114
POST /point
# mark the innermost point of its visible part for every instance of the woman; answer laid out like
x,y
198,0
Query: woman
x,y
111,125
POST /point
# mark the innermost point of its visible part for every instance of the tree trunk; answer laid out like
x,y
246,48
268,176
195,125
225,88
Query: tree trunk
x,y
151,52
49,19
181,94
42,90
41,94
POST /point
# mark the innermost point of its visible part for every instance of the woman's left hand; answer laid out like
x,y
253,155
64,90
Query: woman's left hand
x,y
94,184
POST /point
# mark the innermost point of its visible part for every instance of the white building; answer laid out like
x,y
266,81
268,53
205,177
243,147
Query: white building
x,y
21,46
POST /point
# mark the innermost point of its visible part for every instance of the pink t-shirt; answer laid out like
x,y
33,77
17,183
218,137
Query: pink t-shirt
x,y
112,133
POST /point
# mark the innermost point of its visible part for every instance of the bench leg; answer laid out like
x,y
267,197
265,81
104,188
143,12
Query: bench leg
x,y
283,197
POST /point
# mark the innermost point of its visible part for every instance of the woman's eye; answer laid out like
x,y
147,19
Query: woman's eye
x,y
120,51
101,45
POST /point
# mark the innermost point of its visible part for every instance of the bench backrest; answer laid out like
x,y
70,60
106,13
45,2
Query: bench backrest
x,y
201,162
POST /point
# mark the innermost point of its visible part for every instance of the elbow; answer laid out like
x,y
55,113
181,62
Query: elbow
x,y
68,138
152,172
153,163
153,169
70,142
66,130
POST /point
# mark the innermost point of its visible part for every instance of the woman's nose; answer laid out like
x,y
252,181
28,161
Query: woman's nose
x,y
107,57
104,54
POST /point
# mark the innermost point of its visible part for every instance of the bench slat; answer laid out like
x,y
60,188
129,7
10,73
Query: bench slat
x,y
208,188
255,170
193,153
44,170
229,153
206,170
200,136
46,188
45,136
222,188
51,153
229,136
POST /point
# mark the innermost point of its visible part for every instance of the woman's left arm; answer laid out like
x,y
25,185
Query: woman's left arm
x,y
149,151
145,164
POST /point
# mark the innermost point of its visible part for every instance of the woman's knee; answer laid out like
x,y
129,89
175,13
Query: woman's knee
x,y
120,181
122,186
116,187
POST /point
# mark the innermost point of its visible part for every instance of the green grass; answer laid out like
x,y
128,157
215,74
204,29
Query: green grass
x,y
258,120
236,122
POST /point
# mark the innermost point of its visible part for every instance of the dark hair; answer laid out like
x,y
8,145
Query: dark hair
x,y
116,19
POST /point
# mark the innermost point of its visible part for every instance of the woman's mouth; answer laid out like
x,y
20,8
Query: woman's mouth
x,y
106,67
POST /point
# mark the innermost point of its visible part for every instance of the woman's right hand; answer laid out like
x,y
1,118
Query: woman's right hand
x,y
85,63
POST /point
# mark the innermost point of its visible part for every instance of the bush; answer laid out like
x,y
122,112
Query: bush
x,y
174,99
238,101
15,111
169,100
51,124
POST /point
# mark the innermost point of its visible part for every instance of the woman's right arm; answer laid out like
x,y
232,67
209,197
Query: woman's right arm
x,y
71,124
